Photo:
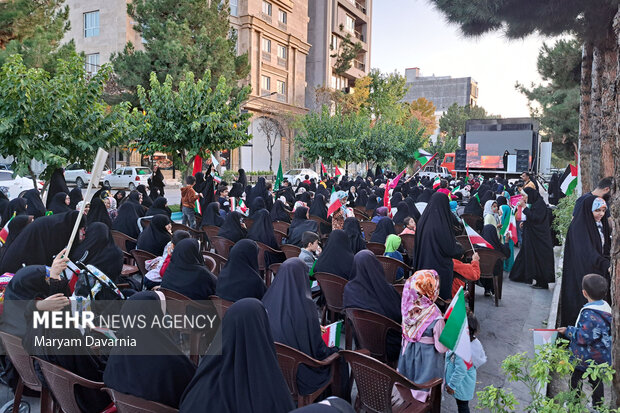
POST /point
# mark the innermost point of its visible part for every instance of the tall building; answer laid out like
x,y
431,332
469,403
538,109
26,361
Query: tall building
x,y
330,22
443,91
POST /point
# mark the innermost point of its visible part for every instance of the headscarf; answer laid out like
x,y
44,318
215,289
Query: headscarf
x,y
262,229
319,208
413,209
168,374
212,215
127,221
236,191
146,199
372,203
426,195
299,225
112,209
242,179
159,207
187,274
4,203
279,212
200,184
35,204
120,197
257,204
501,200
418,304
384,228
239,278
57,184
354,232
231,228
487,195
473,207
75,196
598,203
15,207
98,213
401,213
397,198
98,249
381,211
488,210
392,243
337,257
155,237
59,203
367,288
133,199
246,377
157,179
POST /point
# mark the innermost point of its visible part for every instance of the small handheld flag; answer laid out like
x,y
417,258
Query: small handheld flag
x,y
323,169
334,206
331,336
279,178
475,238
4,233
455,334
216,177
241,207
337,172
509,228
197,207
568,181
436,182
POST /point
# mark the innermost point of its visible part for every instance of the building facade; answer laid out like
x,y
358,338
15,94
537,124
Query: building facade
x,y
330,22
443,91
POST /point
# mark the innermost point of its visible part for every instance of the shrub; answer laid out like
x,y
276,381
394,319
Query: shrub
x,y
563,215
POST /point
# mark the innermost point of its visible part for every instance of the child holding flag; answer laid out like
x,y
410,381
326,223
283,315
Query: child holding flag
x,y
188,199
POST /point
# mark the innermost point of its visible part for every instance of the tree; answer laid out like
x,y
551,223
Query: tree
x,y
424,111
180,36
556,103
409,137
386,94
378,145
56,119
442,146
272,131
189,120
452,122
35,30
346,53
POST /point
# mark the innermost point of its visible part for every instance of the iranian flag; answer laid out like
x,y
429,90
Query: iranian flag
x,y
509,228
216,177
568,182
475,238
436,182
337,172
455,334
214,160
197,207
331,336
4,232
423,157
334,206
241,207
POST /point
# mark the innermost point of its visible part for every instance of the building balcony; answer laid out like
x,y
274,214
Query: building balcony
x,y
359,65
360,7
281,98
282,62
266,56
359,36
265,17
282,26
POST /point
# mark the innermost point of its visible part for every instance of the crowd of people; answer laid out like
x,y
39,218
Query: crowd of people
x,y
323,220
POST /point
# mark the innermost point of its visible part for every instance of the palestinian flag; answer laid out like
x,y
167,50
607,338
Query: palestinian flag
x,y
455,334
279,178
334,206
197,207
4,232
241,207
436,182
568,181
423,157
337,172
331,336
455,190
509,228
467,175
477,196
475,238
323,169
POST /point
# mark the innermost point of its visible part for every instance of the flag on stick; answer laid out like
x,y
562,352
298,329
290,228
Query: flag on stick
x,y
214,160
4,233
241,207
509,228
543,336
337,172
568,180
279,177
423,157
436,182
323,169
334,206
197,165
397,179
475,238
197,207
216,177
455,334
332,333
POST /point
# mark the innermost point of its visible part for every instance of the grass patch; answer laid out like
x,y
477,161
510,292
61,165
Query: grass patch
x,y
175,208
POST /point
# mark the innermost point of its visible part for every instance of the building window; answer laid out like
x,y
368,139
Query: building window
x,y
92,63
281,87
282,51
91,24
334,43
265,83
234,7
266,45
234,34
267,8
282,16
349,24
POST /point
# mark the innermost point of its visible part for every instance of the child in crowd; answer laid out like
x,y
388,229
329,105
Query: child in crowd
x,y
590,339
470,272
158,265
392,243
461,381
188,198
409,226
310,249
222,198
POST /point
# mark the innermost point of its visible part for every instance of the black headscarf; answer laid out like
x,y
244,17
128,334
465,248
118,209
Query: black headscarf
x,y
212,215
236,191
501,200
319,208
57,184
426,195
413,209
187,274
299,225
385,227
279,212
337,257
246,376
231,228
168,374
98,213
257,204
159,207
435,244
239,278
200,183
59,204
75,196
133,199
39,242
155,237
401,213
262,229
473,207
15,207
4,203
242,179
372,202
98,249
259,190
489,233
35,204
127,221
397,198
367,288
293,320
146,199
486,196
16,226
354,232
362,200
157,180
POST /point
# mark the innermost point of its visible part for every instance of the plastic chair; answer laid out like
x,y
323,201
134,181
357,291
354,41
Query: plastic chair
x,y
360,214
248,223
262,249
368,227
488,259
141,257
473,221
219,261
281,226
210,263
221,305
222,245
398,228
289,360
375,382
210,231
22,362
62,384
280,236
290,250
271,272
126,403
332,287
121,239
199,235
321,225
390,268
371,330
376,248
408,241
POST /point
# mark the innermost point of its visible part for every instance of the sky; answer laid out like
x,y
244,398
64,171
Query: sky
x,y
412,33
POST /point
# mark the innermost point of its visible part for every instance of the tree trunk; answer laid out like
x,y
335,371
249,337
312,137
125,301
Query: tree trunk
x,y
585,148
595,115
608,77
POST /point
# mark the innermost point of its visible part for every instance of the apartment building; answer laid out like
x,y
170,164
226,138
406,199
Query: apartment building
x,y
330,22
443,91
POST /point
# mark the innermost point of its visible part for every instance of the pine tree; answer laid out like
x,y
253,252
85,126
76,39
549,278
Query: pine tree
x,y
179,36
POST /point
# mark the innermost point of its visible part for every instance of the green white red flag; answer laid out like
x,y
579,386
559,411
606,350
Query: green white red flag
x,y
197,207
334,206
241,207
332,333
568,181
509,228
4,232
436,182
475,238
455,334
323,169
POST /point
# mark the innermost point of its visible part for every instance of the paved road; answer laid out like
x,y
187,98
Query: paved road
x,y
173,194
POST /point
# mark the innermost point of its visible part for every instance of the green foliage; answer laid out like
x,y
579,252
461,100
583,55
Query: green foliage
x,y
56,119
189,120
452,122
229,176
408,137
536,372
379,144
346,53
180,36
35,30
556,102
442,146
563,215
386,94
175,208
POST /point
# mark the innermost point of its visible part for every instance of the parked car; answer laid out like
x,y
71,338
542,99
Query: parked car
x,y
128,177
296,176
431,172
14,187
5,166
74,173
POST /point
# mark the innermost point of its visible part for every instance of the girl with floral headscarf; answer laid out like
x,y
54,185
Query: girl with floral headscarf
x,y
422,355
110,204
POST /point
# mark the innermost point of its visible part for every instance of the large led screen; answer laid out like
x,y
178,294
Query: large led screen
x,y
486,149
